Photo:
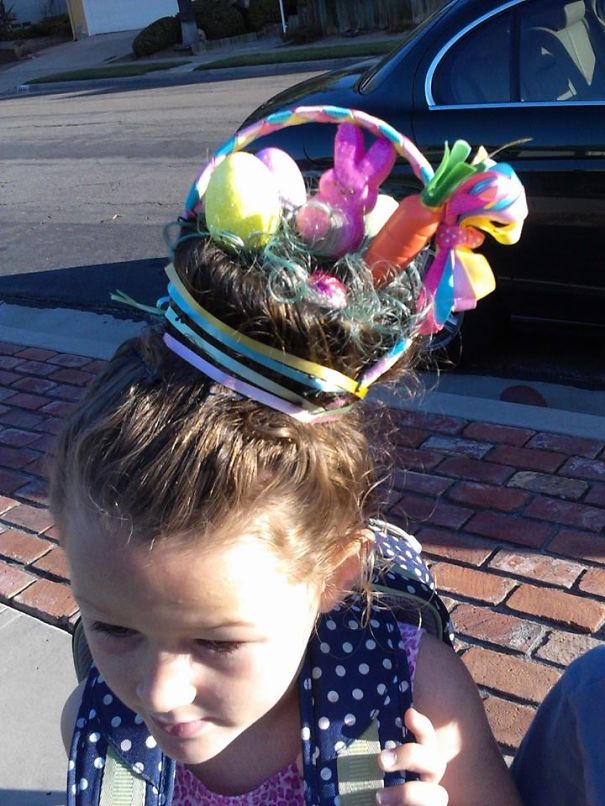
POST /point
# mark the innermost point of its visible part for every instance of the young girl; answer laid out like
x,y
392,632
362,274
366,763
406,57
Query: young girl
x,y
213,492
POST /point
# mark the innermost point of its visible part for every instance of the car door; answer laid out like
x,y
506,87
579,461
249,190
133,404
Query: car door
x,y
532,69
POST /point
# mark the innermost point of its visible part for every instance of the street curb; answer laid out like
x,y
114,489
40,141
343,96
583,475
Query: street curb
x,y
166,79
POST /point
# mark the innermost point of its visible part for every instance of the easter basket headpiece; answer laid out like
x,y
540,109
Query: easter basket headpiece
x,y
242,200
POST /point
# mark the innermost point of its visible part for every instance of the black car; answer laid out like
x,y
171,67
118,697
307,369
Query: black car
x,y
530,73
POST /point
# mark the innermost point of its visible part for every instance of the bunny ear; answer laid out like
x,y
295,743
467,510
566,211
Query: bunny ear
x,y
378,163
348,151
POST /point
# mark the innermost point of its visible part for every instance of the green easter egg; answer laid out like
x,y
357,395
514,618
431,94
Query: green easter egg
x,y
242,198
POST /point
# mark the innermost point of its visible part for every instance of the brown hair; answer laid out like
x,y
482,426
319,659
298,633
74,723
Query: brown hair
x,y
160,447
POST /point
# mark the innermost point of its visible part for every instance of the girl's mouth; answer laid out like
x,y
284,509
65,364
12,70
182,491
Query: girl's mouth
x,y
183,730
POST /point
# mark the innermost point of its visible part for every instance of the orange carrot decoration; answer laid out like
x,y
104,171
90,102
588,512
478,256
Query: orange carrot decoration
x,y
415,221
405,234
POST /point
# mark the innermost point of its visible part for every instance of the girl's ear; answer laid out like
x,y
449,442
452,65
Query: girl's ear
x,y
345,577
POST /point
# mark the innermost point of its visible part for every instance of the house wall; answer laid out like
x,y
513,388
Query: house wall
x,y
35,10
107,16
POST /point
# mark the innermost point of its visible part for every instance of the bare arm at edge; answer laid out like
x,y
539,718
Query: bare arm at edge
x,y
444,691
70,714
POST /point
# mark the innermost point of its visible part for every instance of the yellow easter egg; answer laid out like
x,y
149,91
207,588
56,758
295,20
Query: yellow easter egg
x,y
242,198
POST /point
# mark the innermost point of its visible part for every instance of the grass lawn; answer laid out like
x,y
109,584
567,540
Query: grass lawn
x,y
281,56
115,71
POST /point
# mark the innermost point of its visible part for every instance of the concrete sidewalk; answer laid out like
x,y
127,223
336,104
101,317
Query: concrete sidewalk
x,y
510,513
106,49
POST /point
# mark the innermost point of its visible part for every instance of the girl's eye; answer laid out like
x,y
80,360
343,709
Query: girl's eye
x,y
221,647
112,630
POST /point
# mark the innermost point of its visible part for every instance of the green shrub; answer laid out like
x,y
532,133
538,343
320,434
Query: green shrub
x,y
218,19
159,35
263,13
303,34
51,26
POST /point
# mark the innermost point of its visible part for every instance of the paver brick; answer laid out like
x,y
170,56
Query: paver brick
x,y
509,721
417,458
13,580
564,443
36,353
96,366
537,566
11,480
7,377
487,496
471,583
59,408
510,528
35,368
428,510
549,484
20,419
17,458
409,437
483,624
464,467
582,468
433,422
510,674
49,425
70,361
491,432
569,513
529,458
455,546
66,392
411,480
76,377
35,519
8,348
8,362
36,491
17,437
23,547
38,386
457,446
564,647
54,563
558,607
47,600
593,581
579,545
596,495
25,400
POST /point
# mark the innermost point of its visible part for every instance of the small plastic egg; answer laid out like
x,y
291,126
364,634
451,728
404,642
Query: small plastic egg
x,y
375,220
289,179
329,291
242,198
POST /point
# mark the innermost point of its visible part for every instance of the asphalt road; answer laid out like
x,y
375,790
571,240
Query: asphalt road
x,y
88,180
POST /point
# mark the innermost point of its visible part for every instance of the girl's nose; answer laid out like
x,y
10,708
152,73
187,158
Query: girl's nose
x,y
166,683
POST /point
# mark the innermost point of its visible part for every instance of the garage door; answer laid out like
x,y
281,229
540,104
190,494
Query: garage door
x,y
106,16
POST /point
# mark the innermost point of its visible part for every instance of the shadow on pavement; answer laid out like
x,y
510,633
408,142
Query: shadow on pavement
x,y
29,797
88,287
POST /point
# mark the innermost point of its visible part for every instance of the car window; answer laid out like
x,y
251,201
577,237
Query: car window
x,y
476,70
562,51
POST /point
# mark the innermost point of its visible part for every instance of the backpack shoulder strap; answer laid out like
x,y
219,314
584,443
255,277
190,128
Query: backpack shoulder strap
x,y
404,583
113,759
355,684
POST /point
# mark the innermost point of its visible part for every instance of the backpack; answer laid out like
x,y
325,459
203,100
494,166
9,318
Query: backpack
x,y
354,688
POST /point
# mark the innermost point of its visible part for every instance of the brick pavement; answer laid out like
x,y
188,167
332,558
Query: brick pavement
x,y
512,521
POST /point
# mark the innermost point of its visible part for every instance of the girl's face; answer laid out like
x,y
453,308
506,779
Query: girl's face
x,y
201,642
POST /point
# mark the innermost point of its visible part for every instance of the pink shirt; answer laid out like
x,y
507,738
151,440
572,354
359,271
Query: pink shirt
x,y
285,788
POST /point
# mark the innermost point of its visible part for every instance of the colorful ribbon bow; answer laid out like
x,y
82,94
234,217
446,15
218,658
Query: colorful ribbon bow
x,y
491,200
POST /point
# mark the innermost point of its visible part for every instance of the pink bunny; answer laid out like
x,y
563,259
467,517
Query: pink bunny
x,y
332,221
